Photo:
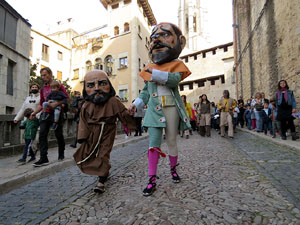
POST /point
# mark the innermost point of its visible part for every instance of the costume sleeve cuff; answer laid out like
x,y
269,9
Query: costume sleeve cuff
x,y
159,76
139,103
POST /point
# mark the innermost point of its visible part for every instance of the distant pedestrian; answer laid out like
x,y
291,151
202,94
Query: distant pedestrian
x,y
189,112
257,105
32,101
247,116
138,117
235,121
267,118
226,106
241,119
30,125
204,111
46,74
286,105
55,96
240,100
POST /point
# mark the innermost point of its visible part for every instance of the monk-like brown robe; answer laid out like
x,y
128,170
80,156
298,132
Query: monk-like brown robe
x,y
89,129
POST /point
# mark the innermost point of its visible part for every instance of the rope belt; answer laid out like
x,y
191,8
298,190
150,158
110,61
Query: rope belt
x,y
100,135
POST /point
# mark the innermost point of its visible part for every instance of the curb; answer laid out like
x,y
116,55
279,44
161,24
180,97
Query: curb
x,y
41,172
294,145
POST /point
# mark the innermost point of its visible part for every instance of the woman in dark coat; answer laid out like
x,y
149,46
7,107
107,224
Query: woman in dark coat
x,y
286,105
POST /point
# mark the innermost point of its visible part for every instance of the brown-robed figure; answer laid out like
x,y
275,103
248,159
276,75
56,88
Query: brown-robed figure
x,y
97,126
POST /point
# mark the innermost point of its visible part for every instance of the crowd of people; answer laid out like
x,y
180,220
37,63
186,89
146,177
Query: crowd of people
x,y
269,116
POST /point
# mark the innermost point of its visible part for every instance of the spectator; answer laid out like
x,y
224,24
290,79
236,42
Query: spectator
x,y
204,114
241,120
189,112
276,125
247,116
286,105
257,104
226,106
263,98
235,121
240,100
32,101
46,75
253,119
31,126
55,96
76,105
267,118
138,117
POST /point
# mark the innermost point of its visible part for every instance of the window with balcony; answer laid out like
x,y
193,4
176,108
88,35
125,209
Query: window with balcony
x,y
123,94
98,64
123,63
76,74
126,27
59,75
108,62
45,53
59,55
88,66
116,30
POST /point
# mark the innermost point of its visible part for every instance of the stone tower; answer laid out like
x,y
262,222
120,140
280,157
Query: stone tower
x,y
193,22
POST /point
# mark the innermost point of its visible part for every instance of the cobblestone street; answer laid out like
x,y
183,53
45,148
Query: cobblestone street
x,y
246,180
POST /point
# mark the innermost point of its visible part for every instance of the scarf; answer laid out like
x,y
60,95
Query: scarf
x,y
171,67
285,94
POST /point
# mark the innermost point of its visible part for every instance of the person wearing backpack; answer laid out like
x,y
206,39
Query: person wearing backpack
x,y
47,120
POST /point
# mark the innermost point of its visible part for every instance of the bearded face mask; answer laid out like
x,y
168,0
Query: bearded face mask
x,y
98,91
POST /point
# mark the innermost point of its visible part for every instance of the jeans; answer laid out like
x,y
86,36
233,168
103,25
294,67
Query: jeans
x,y
43,137
249,123
27,146
259,122
287,124
276,126
268,126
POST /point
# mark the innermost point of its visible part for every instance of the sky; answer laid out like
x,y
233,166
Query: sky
x,y
43,15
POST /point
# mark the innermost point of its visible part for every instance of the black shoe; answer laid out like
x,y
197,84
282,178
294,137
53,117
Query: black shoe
x,y
31,159
54,126
73,146
21,161
99,189
283,137
44,116
231,137
61,158
136,135
149,191
187,136
175,177
41,162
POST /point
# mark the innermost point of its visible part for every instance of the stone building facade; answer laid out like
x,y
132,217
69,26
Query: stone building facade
x,y
14,58
267,46
46,52
211,73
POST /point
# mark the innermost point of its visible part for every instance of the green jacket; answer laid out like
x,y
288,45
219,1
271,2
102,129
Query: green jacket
x,y
154,116
31,127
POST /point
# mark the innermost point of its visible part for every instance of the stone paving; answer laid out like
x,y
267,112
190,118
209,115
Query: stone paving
x,y
35,202
220,185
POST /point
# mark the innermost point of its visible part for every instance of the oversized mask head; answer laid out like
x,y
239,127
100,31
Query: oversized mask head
x,y
166,43
97,87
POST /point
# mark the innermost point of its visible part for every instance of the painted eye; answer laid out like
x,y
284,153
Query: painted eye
x,y
90,85
102,83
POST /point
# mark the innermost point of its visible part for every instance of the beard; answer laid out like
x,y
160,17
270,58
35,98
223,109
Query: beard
x,y
166,56
96,99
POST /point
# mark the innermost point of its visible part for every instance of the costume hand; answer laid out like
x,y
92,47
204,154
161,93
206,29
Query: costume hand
x,y
16,121
149,69
132,109
294,111
31,117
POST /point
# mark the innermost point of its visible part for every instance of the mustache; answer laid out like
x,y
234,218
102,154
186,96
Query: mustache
x,y
90,97
159,45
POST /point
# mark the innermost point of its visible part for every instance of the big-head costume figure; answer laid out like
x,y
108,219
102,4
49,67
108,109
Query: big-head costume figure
x,y
165,107
97,126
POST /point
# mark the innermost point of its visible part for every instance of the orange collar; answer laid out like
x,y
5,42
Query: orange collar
x,y
171,67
